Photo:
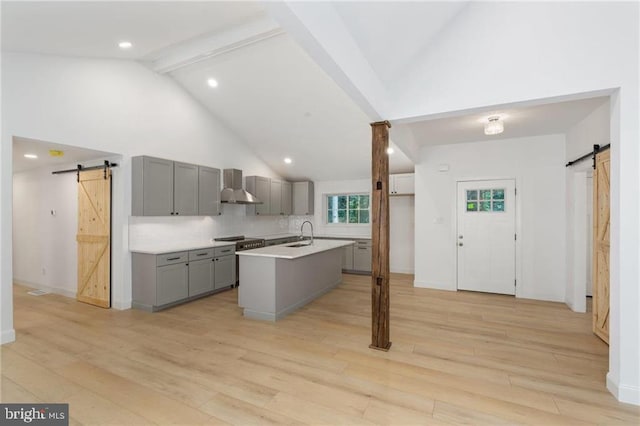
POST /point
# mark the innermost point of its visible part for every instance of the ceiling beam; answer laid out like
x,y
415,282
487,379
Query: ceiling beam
x,y
201,48
319,30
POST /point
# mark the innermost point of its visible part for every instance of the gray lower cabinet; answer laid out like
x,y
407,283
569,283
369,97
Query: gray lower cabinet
x,y
201,271
172,283
362,256
225,271
164,280
357,258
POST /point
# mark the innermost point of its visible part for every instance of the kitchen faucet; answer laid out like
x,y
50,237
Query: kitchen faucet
x,y
302,231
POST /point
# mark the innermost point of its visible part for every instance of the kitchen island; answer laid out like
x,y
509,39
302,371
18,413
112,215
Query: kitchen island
x,y
276,280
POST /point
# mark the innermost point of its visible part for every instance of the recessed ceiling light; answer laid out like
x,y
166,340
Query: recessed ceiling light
x,y
32,156
125,45
212,82
390,151
288,160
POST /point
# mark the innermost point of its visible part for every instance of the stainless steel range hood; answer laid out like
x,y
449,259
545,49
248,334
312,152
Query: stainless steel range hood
x,y
232,191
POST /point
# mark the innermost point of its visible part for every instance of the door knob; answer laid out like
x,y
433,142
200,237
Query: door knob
x,y
460,244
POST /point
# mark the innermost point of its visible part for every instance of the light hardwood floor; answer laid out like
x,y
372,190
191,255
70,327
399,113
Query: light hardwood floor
x,y
457,358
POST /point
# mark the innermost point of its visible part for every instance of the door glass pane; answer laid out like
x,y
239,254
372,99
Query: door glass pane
x,y
498,206
353,216
485,206
472,206
498,194
472,195
342,216
364,201
485,194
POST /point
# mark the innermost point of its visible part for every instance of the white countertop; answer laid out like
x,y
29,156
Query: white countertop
x,y
283,252
343,237
175,247
274,236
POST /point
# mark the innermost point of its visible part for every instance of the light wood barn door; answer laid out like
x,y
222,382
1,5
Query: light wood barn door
x,y
94,238
601,221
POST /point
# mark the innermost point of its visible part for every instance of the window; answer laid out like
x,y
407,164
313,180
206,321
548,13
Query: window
x,y
348,208
485,200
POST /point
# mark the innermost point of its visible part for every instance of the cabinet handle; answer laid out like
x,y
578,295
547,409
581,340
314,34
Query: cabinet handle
x,y
172,213
173,258
201,254
177,213
226,251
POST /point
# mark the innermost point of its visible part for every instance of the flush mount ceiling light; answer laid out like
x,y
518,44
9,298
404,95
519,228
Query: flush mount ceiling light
x,y
288,160
125,45
32,156
494,125
212,82
390,151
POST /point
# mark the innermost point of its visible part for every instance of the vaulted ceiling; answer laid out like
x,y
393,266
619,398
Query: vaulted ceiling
x,y
295,79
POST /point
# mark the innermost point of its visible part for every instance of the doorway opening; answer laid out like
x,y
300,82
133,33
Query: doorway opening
x,y
46,213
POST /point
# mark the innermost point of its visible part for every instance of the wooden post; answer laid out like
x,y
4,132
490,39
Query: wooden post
x,y
380,237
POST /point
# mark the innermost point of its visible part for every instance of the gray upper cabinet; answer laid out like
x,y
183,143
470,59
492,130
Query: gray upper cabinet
x,y
261,188
168,188
275,197
185,189
152,191
208,191
303,198
286,199
279,197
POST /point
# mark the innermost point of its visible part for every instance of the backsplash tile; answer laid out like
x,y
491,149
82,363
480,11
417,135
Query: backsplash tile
x,y
145,232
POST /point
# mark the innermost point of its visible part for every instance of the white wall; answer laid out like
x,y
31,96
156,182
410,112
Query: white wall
x,y
402,234
113,106
537,164
592,130
44,245
321,189
497,53
401,216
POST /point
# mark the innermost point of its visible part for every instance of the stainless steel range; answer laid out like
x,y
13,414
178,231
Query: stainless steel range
x,y
242,243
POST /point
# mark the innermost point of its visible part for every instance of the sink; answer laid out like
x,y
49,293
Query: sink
x,y
299,245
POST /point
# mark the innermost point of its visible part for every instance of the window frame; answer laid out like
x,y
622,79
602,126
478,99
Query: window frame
x,y
325,208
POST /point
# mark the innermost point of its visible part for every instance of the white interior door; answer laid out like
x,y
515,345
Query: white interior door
x,y
486,236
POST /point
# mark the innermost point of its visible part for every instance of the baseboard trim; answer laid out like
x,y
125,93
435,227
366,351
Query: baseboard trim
x,y
432,285
402,271
48,289
121,306
7,336
623,393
